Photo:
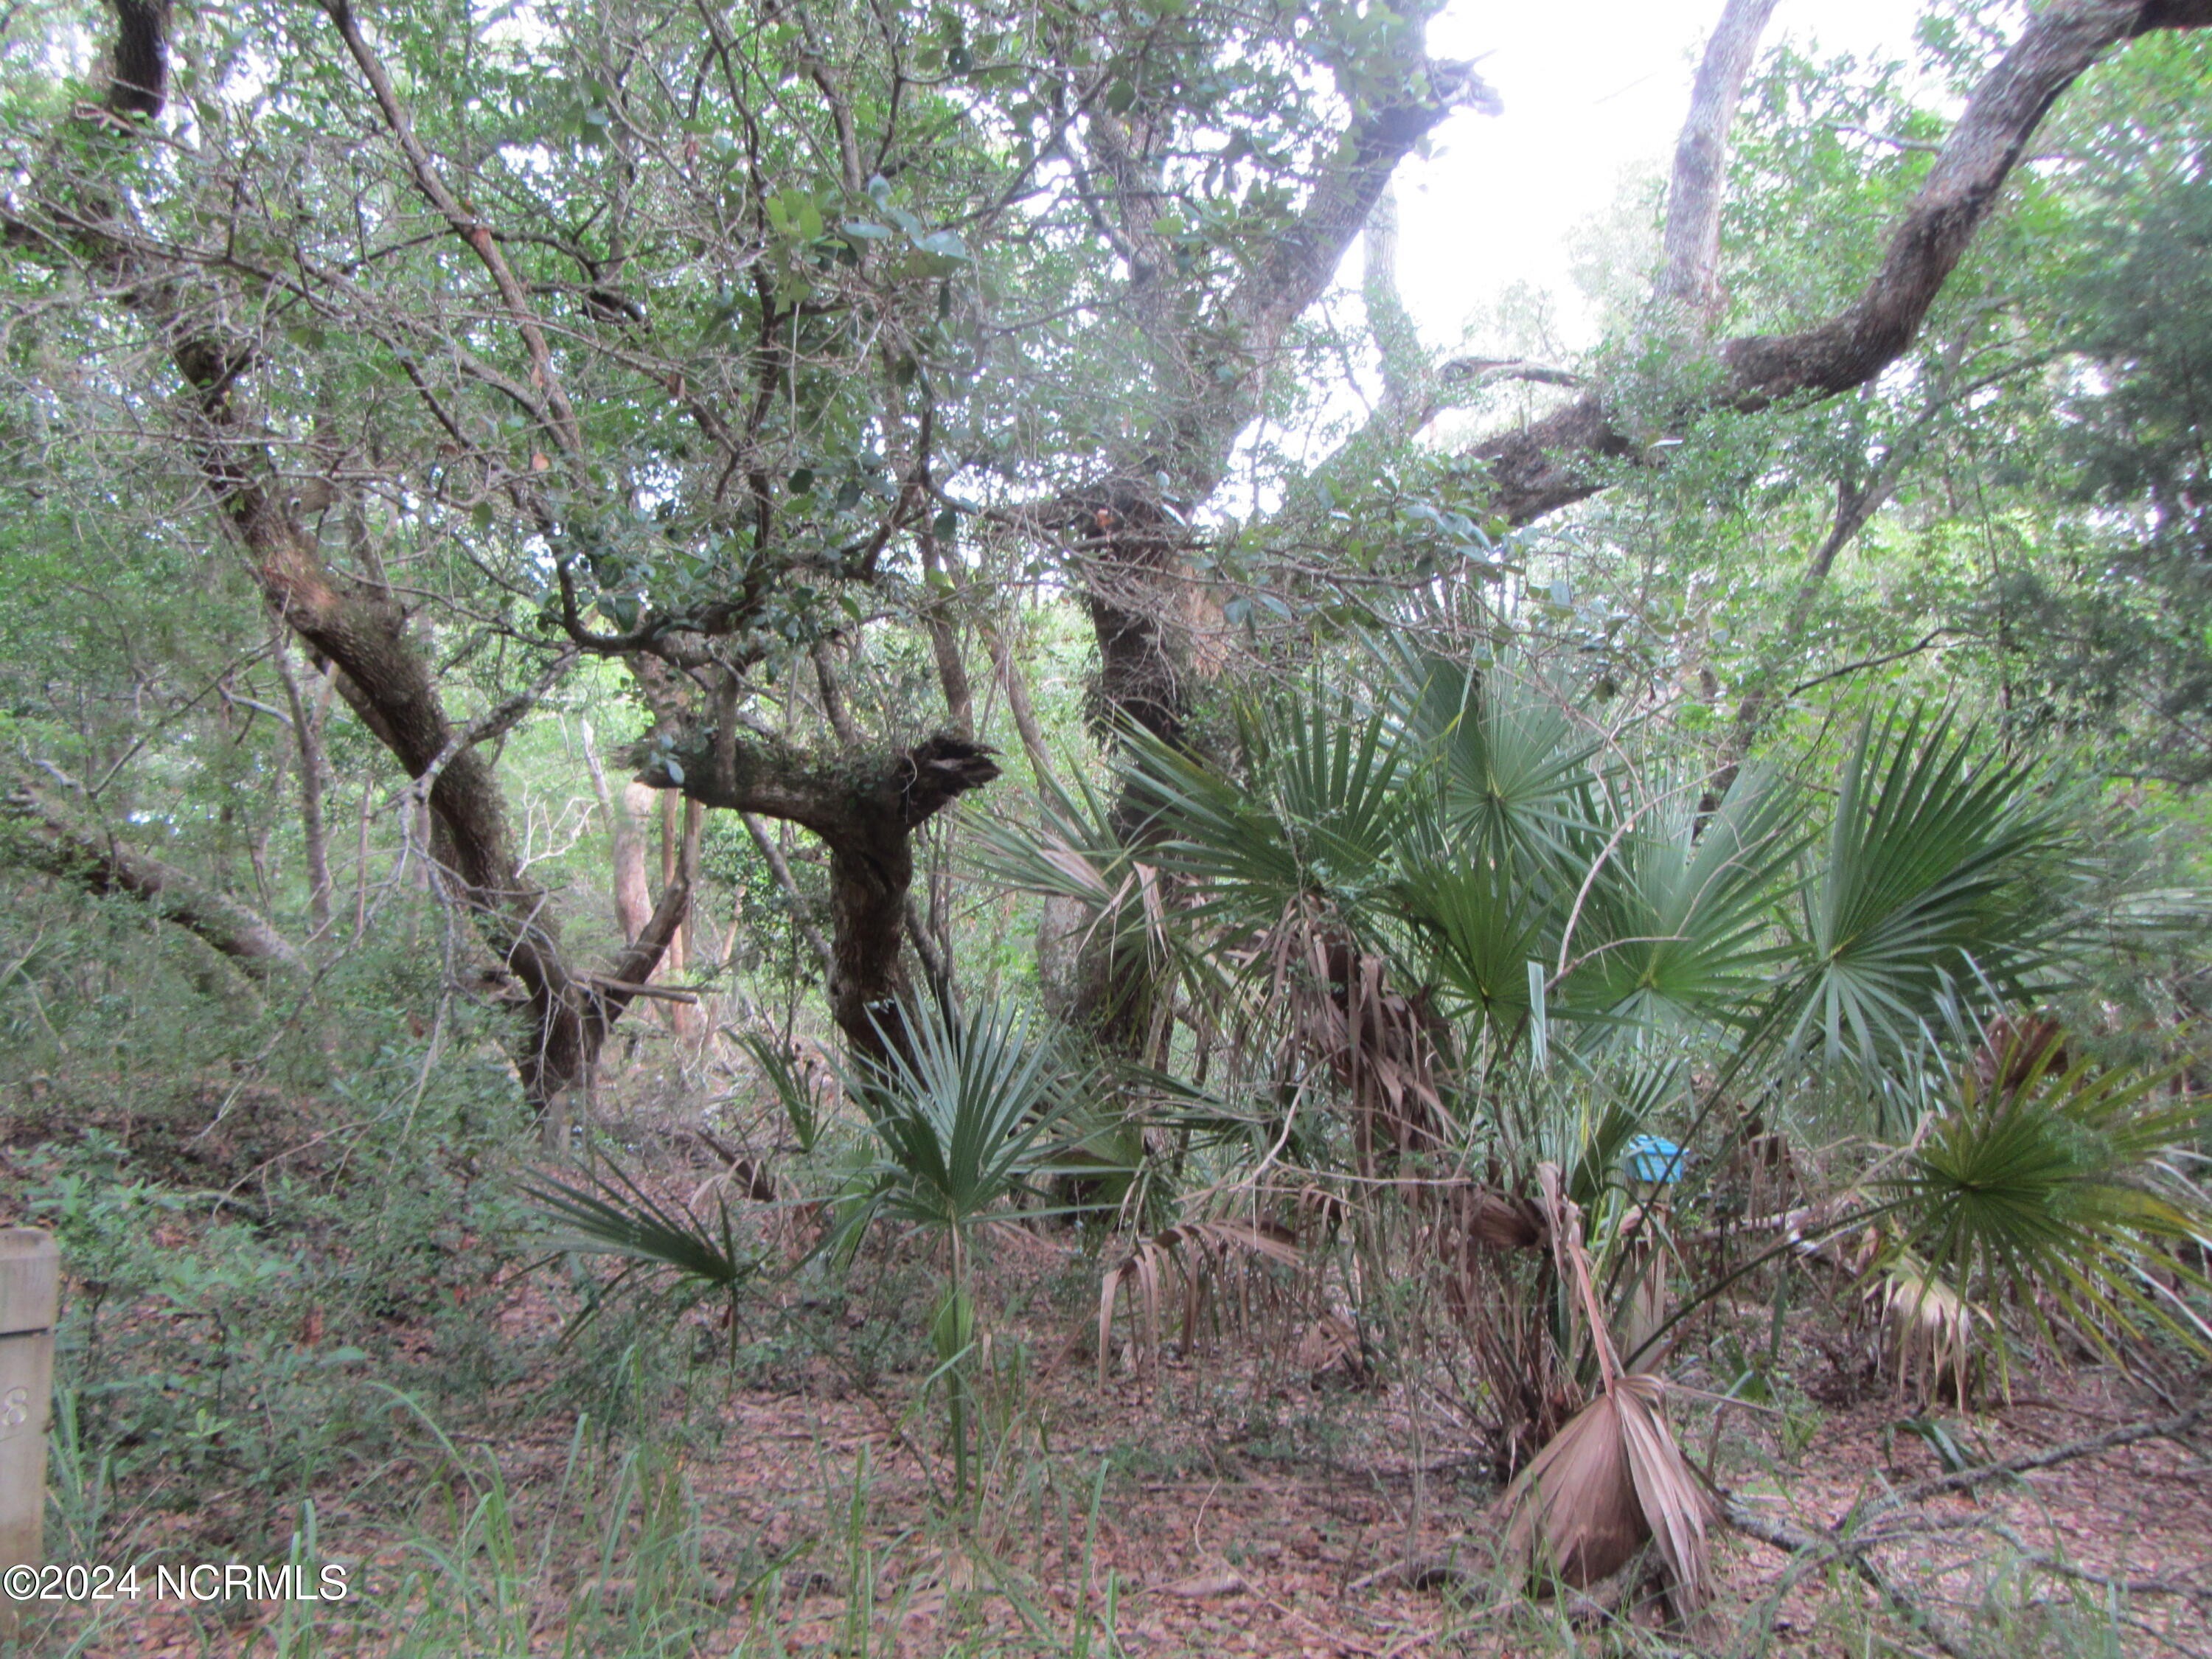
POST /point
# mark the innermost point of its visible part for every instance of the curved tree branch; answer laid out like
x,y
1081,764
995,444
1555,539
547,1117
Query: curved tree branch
x,y
1547,465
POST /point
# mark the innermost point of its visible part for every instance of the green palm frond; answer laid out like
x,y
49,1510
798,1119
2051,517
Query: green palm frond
x,y
612,1215
609,1214
961,1111
1513,770
1938,867
1074,850
1677,927
1480,927
1321,816
2047,1186
793,1090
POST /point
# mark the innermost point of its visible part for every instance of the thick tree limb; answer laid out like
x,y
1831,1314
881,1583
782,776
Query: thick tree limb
x,y
47,838
1548,465
865,805
1302,261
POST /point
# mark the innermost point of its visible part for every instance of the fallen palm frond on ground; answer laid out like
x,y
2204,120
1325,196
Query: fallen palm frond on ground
x,y
1613,1479
1197,1250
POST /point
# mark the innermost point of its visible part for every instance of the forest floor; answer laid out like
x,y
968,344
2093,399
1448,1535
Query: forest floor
x,y
797,1499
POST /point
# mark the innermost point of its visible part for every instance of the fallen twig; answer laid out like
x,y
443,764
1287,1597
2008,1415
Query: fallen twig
x,y
1844,1541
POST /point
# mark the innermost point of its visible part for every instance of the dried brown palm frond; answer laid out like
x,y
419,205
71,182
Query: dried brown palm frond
x,y
1328,1002
1614,1477
1332,1343
1647,1261
1611,1481
1493,1249
1676,1506
1574,1511
1198,1252
1320,1210
1528,1389
1928,1329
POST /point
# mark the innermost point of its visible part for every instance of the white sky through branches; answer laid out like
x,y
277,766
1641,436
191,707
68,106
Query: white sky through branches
x,y
1594,95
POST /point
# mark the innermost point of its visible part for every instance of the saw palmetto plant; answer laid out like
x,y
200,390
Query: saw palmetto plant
x,y
605,1212
1448,927
965,1115
2047,1188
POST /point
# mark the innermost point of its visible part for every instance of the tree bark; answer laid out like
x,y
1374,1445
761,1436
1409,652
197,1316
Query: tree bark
x,y
865,805
1691,278
309,715
48,839
945,642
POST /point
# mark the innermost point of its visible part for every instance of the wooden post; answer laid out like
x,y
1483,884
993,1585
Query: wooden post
x,y
29,1296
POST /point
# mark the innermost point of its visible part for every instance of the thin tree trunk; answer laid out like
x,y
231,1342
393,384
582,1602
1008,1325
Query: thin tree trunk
x,y
1013,680
624,813
1691,280
945,643
308,715
781,870
679,857
361,862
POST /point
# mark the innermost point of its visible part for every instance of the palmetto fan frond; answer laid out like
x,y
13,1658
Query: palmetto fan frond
x,y
1321,817
607,1212
1678,925
1512,768
2039,1183
1940,866
961,1111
